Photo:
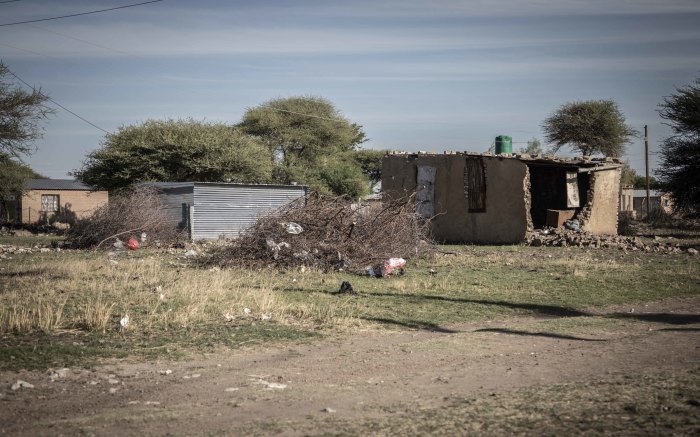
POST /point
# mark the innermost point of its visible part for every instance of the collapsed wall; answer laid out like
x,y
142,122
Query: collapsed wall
x,y
599,215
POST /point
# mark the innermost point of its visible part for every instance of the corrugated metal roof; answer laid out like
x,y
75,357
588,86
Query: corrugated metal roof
x,y
232,184
643,193
57,184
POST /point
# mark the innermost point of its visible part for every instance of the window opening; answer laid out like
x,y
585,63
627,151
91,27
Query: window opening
x,y
49,202
475,184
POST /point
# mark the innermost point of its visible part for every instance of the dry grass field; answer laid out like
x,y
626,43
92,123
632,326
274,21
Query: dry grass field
x,y
465,307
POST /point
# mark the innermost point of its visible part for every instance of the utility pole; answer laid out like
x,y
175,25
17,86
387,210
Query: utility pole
x,y
646,164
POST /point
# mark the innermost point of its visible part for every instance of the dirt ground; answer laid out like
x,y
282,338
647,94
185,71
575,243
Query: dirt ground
x,y
358,376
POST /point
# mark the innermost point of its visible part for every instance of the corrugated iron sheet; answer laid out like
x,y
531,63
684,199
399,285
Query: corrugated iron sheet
x,y
226,210
177,201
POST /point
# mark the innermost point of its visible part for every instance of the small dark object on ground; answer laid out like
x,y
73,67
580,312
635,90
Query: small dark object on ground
x,y
346,287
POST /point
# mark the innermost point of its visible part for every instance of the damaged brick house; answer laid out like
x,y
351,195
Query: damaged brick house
x,y
484,198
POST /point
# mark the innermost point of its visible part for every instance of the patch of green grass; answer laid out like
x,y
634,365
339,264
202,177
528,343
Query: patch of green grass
x,y
494,282
651,404
44,351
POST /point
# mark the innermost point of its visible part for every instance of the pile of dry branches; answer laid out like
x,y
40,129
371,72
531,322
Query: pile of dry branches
x,y
128,214
331,233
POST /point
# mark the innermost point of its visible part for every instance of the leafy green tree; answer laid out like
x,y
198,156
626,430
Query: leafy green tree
x,y
301,134
679,171
20,115
13,179
176,151
370,161
640,183
534,147
344,177
589,127
628,176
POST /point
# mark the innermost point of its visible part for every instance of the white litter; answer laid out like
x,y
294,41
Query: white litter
x,y
269,385
21,384
165,372
265,317
293,228
247,310
124,322
58,374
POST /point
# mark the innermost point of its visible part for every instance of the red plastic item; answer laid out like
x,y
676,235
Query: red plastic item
x,y
133,244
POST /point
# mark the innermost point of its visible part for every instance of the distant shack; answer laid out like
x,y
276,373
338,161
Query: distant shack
x,y
211,210
484,198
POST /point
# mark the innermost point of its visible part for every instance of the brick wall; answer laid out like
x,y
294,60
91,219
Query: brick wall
x,y
73,204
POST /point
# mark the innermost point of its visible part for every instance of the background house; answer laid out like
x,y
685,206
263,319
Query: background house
x,y
209,210
485,198
52,200
658,200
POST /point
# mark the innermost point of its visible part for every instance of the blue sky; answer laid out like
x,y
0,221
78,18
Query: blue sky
x,y
417,75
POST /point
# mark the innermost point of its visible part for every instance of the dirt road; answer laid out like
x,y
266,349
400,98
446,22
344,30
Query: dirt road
x,y
363,375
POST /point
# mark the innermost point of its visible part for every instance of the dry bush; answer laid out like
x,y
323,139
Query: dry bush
x,y
625,224
337,234
128,213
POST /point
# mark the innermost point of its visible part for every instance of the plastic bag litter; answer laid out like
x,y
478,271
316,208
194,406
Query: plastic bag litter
x,y
133,244
572,224
293,228
392,264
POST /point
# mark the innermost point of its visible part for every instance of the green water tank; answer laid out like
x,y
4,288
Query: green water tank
x,y
504,144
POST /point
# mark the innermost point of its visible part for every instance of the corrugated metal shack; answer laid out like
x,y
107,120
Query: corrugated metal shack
x,y
210,210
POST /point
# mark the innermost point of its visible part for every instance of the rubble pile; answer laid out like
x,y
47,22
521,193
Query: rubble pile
x,y
8,249
563,237
330,234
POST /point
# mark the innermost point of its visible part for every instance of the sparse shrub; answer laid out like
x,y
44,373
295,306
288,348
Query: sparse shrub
x,y
625,223
657,217
130,212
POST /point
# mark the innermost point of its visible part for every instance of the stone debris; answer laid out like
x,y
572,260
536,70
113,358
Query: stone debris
x,y
21,384
55,374
562,237
9,249
269,385
165,372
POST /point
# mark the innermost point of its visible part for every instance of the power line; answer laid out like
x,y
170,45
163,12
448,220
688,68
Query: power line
x,y
84,41
82,13
9,1
59,105
26,50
